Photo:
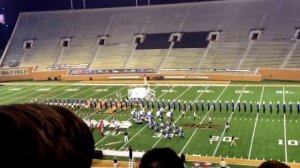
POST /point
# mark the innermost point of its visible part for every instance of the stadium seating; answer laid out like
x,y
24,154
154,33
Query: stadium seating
x,y
45,55
143,59
114,54
79,52
234,48
266,54
183,58
224,55
294,61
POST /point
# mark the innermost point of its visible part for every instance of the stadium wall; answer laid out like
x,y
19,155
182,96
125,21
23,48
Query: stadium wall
x,y
10,74
28,73
280,74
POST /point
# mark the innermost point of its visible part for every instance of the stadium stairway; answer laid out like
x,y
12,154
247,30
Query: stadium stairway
x,y
222,55
183,58
266,54
113,55
293,57
144,59
79,52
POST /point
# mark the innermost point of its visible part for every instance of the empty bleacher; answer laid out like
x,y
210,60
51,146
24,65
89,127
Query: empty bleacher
x,y
143,59
266,55
294,61
43,54
234,20
15,52
222,55
80,51
183,58
114,54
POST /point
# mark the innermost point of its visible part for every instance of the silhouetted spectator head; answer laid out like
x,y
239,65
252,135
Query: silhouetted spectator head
x,y
273,164
161,158
36,136
182,157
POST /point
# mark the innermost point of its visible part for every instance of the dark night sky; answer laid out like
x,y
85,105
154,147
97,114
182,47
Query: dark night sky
x,y
14,7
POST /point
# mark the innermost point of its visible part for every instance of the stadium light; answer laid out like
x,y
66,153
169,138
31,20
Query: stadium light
x,y
83,2
71,4
2,20
2,17
148,2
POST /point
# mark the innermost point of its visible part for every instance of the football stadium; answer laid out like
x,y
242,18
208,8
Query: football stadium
x,y
211,80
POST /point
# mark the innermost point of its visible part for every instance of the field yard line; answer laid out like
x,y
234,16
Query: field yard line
x,y
83,92
284,126
254,129
57,90
103,97
118,110
5,90
202,121
228,121
283,94
101,109
111,116
23,96
109,133
17,97
91,95
115,92
179,116
146,124
60,93
285,146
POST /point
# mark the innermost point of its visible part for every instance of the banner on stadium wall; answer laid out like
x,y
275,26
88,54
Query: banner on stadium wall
x,y
15,71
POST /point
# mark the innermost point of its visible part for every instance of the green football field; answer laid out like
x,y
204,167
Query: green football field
x,y
260,135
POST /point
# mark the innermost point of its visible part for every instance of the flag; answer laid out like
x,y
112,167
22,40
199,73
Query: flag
x,y
2,19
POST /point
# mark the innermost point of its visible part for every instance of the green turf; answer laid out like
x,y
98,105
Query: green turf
x,y
268,137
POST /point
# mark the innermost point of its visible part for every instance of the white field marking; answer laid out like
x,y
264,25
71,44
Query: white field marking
x,y
283,94
146,124
284,127
179,115
202,121
103,97
42,95
63,92
30,94
6,91
165,108
113,115
285,146
254,129
73,96
106,136
18,97
68,92
108,118
112,143
228,121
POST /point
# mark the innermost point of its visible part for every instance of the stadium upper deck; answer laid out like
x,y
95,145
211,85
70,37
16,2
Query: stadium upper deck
x,y
229,34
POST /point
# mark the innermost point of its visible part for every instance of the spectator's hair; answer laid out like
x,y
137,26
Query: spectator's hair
x,y
273,164
161,158
35,135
